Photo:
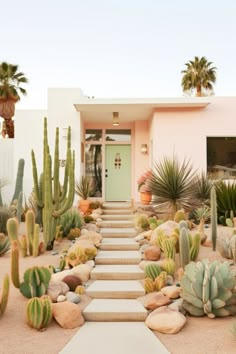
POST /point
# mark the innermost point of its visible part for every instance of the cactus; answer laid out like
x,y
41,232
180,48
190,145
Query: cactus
x,y
169,248
183,224
5,294
15,277
208,288
195,247
149,285
4,244
39,312
157,284
168,265
152,271
19,180
184,252
36,241
19,207
228,248
213,218
36,280
30,223
74,233
23,245
179,216
80,290
54,201
5,215
80,255
12,229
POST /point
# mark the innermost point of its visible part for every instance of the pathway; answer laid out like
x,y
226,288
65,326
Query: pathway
x,y
114,318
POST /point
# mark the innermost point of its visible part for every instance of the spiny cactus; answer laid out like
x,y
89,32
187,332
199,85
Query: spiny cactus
x,y
23,245
169,248
15,277
4,244
5,294
36,280
80,255
155,285
168,265
53,199
208,288
39,312
184,248
179,216
5,215
30,223
213,218
195,247
12,229
228,248
152,270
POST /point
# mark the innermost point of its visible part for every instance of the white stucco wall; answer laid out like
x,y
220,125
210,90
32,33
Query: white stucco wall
x,y
184,132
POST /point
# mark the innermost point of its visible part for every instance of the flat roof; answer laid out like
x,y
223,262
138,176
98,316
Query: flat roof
x,y
131,109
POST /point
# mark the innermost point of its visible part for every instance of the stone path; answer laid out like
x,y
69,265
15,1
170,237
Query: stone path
x,y
114,318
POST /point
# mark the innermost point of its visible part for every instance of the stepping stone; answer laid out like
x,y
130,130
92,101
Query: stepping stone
x,y
118,257
117,212
115,289
117,272
118,232
119,244
115,223
115,338
118,205
117,217
114,310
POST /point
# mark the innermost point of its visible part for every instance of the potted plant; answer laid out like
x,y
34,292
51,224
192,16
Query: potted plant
x,y
84,188
144,189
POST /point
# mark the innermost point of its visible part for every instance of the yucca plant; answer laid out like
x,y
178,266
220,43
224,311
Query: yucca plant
x,y
172,185
226,199
202,189
84,187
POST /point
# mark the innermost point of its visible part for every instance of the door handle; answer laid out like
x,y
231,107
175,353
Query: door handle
x,y
106,170
106,175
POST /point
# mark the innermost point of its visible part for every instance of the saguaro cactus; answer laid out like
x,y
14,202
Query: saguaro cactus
x,y
50,196
213,218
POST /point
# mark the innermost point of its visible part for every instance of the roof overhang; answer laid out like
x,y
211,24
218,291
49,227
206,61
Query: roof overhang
x,y
132,109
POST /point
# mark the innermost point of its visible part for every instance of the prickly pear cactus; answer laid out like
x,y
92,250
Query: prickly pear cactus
x,y
207,289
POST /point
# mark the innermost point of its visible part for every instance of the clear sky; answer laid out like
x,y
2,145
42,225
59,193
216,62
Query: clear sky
x,y
117,48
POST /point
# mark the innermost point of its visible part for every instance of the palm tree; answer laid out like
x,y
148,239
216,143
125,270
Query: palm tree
x,y
198,75
10,90
172,185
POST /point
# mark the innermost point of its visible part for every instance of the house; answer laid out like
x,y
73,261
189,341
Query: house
x,y
116,140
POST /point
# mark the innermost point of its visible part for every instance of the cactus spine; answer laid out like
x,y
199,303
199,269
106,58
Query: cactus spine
x,y
213,218
50,197
5,294
39,312
184,248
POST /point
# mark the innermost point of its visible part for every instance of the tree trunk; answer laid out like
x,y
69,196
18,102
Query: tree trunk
x,y
10,129
7,111
199,91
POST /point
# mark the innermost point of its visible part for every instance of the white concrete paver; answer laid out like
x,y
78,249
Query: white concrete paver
x,y
118,257
117,272
118,232
115,289
122,244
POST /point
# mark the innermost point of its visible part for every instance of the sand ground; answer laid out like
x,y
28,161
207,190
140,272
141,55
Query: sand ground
x,y
199,336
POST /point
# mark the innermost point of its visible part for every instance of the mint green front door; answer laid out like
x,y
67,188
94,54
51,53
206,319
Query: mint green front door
x,y
117,172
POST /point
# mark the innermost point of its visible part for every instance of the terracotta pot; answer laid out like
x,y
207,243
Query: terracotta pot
x,y
145,197
84,205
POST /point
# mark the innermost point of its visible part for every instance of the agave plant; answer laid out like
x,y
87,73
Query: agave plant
x,y
226,198
85,187
172,185
202,189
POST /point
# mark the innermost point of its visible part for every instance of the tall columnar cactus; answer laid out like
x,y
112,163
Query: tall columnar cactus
x,y
184,247
53,199
213,218
30,224
19,180
39,312
4,244
195,247
12,229
208,288
5,294
15,276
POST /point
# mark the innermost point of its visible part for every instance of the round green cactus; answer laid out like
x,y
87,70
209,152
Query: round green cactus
x,y
152,271
39,312
208,289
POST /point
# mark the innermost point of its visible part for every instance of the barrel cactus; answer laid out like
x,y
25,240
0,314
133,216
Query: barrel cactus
x,y
152,271
36,280
155,285
168,265
39,312
208,289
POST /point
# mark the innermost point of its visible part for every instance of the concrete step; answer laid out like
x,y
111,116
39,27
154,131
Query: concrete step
x,y
119,244
114,338
117,205
115,224
109,217
118,257
115,289
118,232
117,272
113,310
117,212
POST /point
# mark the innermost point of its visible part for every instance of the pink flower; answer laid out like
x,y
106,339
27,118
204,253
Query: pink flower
x,y
143,182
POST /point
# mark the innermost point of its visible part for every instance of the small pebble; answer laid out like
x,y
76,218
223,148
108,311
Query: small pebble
x,y
54,253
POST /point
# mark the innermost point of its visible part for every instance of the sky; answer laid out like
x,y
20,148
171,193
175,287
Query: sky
x,y
116,48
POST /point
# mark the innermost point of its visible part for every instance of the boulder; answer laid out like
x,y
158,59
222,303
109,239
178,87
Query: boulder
x,y
154,300
177,305
73,297
72,281
167,227
61,275
152,253
67,314
165,320
171,291
56,288
95,237
61,298
82,271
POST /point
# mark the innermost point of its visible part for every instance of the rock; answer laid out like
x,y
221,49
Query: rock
x,y
92,227
147,234
61,298
82,271
91,263
171,291
72,281
73,297
144,263
95,216
154,300
61,275
169,280
98,211
144,247
83,232
152,253
95,237
207,243
56,288
99,219
165,320
144,242
139,237
177,305
67,314
168,228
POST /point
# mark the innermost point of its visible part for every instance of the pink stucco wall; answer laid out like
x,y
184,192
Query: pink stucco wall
x,y
183,132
